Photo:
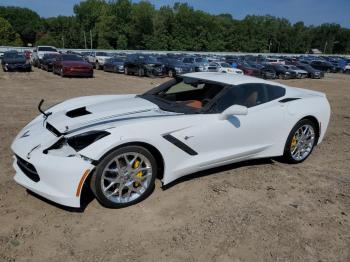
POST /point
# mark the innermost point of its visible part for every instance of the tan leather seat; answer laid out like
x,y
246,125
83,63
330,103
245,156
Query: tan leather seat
x,y
252,99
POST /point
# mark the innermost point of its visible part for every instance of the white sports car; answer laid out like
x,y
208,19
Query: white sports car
x,y
119,144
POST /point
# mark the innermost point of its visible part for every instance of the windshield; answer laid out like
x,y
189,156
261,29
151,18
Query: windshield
x,y
184,95
225,65
47,49
201,60
117,59
13,55
71,58
151,59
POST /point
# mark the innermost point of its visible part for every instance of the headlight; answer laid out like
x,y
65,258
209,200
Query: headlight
x,y
178,69
287,73
83,140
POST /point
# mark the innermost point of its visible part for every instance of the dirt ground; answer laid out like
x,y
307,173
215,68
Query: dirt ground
x,y
256,211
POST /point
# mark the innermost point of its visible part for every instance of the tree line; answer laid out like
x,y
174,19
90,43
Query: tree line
x,y
122,24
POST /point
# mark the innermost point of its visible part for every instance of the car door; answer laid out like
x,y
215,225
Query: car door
x,y
260,133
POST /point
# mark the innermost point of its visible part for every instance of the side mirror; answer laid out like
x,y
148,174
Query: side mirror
x,y
233,110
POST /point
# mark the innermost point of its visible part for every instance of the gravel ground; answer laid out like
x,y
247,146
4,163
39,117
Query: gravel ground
x,y
254,211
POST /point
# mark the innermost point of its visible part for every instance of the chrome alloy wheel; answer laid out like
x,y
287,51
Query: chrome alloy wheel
x,y
126,177
302,142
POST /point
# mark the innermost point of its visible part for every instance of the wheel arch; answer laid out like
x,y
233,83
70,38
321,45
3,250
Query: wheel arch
x,y
316,122
85,191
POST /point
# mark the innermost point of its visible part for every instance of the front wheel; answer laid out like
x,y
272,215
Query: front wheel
x,y
124,177
301,141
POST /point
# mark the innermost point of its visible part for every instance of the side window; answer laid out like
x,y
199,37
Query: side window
x,y
274,92
248,95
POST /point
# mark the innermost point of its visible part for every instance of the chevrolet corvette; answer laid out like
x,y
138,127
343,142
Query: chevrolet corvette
x,y
118,145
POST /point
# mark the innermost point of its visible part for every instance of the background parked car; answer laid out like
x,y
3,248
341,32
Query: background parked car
x,y
115,64
281,71
98,59
72,65
347,69
312,72
39,53
174,66
299,72
143,65
267,73
323,66
200,64
12,60
224,67
248,69
47,61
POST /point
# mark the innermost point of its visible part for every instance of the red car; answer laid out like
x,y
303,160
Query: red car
x,y
72,65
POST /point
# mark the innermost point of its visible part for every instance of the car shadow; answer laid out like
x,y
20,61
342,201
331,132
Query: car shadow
x,y
211,171
87,196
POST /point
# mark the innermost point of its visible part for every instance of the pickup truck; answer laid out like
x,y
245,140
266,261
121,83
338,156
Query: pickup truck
x,y
39,53
98,59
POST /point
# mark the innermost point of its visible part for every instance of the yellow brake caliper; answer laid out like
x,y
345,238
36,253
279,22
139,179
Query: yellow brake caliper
x,y
139,174
294,142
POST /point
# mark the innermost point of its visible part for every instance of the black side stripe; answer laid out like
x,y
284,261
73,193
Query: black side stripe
x,y
285,100
179,144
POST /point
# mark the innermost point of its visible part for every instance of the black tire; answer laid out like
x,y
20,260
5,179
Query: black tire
x,y
61,72
287,156
126,71
141,72
171,73
95,182
98,66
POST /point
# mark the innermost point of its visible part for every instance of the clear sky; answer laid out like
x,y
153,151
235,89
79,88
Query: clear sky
x,y
309,11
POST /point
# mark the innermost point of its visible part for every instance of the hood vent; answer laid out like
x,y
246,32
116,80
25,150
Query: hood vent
x,y
81,111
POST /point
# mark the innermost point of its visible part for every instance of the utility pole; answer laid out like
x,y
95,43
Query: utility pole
x,y
90,40
85,39
62,41
325,47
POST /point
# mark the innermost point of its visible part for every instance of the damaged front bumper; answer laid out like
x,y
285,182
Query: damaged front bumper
x,y
57,176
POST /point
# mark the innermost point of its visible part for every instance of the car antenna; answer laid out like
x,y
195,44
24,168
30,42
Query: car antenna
x,y
41,111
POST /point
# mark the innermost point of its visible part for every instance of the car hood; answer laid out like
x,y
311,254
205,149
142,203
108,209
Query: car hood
x,y
87,112
75,63
14,60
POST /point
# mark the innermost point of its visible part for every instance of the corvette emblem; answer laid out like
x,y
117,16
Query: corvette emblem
x,y
25,134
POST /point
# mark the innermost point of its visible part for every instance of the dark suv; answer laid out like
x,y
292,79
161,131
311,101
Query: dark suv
x,y
143,65
175,66
323,66
281,71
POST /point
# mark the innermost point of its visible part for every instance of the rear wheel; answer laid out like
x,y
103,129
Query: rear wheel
x,y
171,73
301,141
126,71
61,72
124,177
98,66
141,72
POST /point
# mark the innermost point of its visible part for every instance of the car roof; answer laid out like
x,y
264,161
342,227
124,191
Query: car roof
x,y
230,79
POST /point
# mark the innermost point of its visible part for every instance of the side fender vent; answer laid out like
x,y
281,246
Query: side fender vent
x,y
81,111
286,100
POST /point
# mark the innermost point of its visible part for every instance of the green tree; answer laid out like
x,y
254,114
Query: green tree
x,y
7,35
24,21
